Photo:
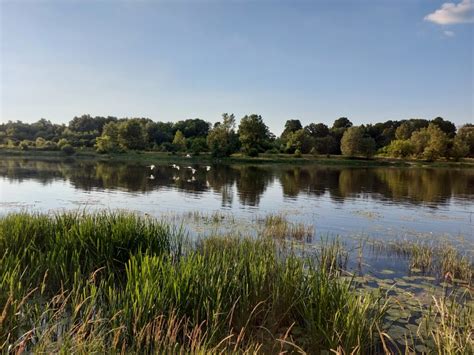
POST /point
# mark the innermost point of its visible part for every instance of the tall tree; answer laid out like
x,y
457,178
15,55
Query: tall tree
x,y
253,134
290,127
222,139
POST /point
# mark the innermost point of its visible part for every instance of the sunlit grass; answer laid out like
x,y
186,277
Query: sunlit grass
x,y
76,282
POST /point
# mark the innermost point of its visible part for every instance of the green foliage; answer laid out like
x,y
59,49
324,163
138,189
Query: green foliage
x,y
297,153
132,135
342,122
198,145
253,134
429,143
91,283
179,141
317,130
465,136
222,139
355,143
24,145
68,149
291,126
298,140
400,148
108,141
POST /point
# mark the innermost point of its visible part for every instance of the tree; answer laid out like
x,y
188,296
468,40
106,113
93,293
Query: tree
x,y
466,135
299,140
222,139
326,145
254,134
404,131
317,130
179,141
108,141
290,127
192,127
355,142
342,122
430,142
198,145
446,126
132,135
400,148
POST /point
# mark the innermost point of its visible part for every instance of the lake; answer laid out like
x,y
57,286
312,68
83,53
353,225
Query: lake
x,y
380,202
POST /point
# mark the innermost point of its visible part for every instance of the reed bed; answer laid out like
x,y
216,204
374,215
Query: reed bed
x,y
440,259
116,282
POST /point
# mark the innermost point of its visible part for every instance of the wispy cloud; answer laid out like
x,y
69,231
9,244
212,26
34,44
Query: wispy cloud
x,y
449,33
451,13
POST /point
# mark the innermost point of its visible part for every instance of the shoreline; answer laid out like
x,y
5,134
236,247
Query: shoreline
x,y
306,159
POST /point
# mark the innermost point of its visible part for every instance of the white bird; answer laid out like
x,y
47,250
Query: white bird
x,y
188,156
151,166
193,171
208,168
175,166
151,177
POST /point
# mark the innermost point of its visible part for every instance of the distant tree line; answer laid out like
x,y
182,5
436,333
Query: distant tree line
x,y
412,138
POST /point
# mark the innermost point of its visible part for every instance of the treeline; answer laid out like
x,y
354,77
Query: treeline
x,y
412,138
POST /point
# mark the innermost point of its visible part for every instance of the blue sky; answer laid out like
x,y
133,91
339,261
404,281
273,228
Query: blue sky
x,y
312,60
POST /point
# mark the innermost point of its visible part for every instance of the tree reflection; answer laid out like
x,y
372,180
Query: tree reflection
x,y
431,186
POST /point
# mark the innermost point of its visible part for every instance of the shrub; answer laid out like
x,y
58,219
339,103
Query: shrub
x,y
68,149
297,153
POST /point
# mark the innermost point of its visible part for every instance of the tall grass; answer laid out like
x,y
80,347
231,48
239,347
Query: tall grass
x,y
106,282
82,283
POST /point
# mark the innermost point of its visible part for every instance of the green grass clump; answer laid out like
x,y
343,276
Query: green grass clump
x,y
92,283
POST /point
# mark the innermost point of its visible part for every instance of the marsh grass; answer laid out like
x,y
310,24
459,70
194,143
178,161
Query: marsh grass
x,y
76,282
82,283
441,259
277,226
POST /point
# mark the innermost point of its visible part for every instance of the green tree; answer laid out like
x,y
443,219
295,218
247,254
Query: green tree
x,y
108,141
222,139
355,142
132,135
342,122
299,140
429,143
179,141
466,136
446,126
198,145
400,148
317,130
254,134
291,126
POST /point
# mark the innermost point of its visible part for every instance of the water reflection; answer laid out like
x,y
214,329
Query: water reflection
x,y
428,186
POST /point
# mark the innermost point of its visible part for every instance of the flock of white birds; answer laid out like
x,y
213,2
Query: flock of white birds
x,y
177,167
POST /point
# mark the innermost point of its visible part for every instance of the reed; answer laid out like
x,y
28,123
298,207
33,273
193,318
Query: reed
x,y
75,282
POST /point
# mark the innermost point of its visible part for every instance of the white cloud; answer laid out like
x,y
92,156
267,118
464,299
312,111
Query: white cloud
x,y
451,13
449,33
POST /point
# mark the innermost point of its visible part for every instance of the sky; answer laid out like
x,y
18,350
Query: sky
x,y
368,60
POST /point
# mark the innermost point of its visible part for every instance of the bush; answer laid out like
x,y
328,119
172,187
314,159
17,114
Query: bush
x,y
297,153
24,145
253,152
272,151
68,149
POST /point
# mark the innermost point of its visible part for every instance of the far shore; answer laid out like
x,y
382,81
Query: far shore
x,y
264,158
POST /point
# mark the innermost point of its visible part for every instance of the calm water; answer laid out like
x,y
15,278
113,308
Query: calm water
x,y
379,202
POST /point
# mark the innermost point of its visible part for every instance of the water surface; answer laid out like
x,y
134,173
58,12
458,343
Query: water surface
x,y
379,202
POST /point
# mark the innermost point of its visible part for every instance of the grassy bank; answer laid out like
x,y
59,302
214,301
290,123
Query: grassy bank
x,y
150,157
82,283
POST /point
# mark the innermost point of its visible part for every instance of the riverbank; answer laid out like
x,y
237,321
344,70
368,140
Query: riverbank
x,y
94,282
156,157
